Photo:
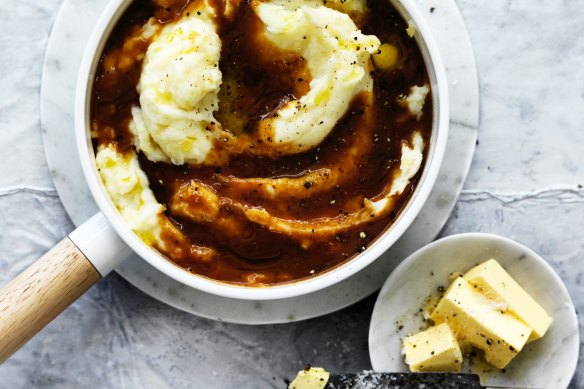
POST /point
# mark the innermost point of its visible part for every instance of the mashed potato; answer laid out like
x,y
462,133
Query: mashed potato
x,y
181,79
411,161
129,190
179,89
416,99
338,57
356,9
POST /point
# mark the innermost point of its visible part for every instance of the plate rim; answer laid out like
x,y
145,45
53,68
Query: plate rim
x,y
404,266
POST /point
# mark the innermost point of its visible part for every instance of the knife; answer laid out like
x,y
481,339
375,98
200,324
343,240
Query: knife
x,y
368,379
372,380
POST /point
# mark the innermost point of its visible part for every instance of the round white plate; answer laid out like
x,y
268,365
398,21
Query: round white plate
x,y
64,51
549,362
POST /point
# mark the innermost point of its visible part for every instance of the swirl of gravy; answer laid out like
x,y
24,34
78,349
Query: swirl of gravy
x,y
222,213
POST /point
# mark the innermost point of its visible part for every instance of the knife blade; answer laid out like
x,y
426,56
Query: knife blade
x,y
373,380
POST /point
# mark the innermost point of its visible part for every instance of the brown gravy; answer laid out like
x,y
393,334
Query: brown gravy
x,y
257,78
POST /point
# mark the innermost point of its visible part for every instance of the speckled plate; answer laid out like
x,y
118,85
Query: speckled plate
x,y
549,362
64,51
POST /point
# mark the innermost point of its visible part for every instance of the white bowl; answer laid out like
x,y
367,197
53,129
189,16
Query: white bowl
x,y
549,362
437,75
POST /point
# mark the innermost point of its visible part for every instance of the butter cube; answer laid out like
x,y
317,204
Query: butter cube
x,y
435,349
313,378
494,282
477,320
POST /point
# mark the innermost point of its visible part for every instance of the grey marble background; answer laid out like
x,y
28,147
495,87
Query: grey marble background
x,y
525,183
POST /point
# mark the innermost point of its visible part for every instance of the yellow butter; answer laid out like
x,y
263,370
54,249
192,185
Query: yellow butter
x,y
495,283
477,320
435,349
387,57
313,378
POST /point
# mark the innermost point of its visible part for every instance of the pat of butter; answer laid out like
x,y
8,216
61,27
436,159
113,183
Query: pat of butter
x,y
313,378
495,283
477,320
435,349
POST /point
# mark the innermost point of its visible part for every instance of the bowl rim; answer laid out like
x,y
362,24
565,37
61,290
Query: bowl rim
x,y
440,98
405,265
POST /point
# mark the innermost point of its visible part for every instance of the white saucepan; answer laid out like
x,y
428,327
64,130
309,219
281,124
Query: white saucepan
x,y
58,278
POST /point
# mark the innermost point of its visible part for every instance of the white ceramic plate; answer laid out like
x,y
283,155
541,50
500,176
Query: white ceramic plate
x,y
68,38
549,362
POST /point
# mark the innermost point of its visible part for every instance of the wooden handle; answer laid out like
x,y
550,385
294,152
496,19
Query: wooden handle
x,y
36,296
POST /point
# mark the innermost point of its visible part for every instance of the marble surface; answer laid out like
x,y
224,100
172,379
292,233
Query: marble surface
x,y
57,100
525,183
548,362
